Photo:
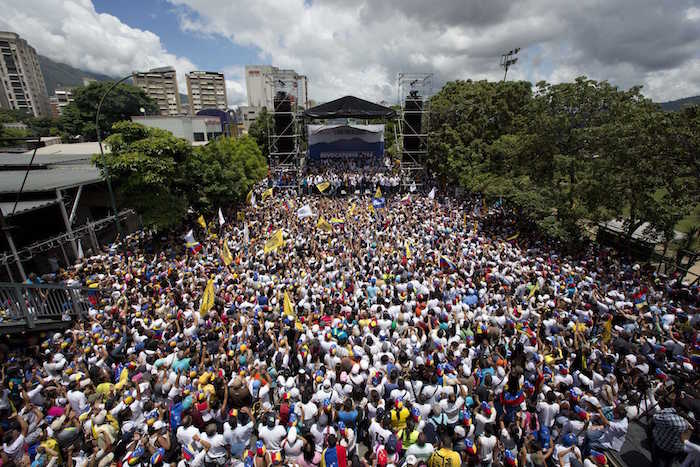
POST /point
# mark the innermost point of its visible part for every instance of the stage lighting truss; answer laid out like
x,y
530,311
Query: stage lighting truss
x,y
285,155
414,92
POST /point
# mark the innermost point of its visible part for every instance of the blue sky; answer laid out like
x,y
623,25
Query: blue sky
x,y
211,52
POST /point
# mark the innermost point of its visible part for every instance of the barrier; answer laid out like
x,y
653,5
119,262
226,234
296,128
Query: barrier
x,y
28,306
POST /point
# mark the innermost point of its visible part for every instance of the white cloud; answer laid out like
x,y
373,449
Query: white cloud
x,y
72,32
358,46
235,85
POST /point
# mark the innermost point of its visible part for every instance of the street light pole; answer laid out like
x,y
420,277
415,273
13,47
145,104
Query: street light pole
x,y
102,155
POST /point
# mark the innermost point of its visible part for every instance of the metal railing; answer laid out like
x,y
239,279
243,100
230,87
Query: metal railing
x,y
31,304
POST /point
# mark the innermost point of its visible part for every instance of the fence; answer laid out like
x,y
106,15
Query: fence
x,y
62,250
27,306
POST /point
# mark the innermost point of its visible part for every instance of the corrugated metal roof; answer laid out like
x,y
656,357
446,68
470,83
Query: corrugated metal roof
x,y
25,206
49,179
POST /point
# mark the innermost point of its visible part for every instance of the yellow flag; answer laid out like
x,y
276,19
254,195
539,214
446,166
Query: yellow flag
x,y
240,216
274,242
249,197
476,225
513,237
378,193
201,221
408,249
323,186
337,220
532,292
288,310
226,255
266,194
371,208
324,225
207,298
352,209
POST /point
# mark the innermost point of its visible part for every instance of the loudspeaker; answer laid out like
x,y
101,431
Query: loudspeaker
x,y
283,122
412,122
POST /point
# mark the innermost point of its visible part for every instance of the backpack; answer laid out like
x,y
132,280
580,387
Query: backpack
x,y
438,460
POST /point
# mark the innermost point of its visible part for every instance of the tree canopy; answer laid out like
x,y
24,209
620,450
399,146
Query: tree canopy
x,y
565,155
259,131
161,176
125,100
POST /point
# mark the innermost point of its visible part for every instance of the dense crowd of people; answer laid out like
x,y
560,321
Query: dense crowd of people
x,y
429,331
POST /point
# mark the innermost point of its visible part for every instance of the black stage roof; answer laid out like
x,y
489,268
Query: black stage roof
x,y
350,106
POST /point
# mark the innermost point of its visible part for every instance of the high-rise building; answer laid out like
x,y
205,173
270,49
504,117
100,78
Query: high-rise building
x,y
262,81
160,84
22,85
61,98
206,90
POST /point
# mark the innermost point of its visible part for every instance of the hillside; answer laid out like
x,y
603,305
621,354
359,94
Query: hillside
x,y
59,74
674,106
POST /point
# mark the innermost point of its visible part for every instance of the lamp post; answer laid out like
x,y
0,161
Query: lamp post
x,y
508,59
102,155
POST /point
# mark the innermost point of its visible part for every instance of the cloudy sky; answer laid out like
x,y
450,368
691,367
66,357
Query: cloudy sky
x,y
358,46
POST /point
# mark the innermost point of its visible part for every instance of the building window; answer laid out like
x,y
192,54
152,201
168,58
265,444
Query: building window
x,y
198,136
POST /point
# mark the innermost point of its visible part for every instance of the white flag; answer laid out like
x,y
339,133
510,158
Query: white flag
x,y
221,218
189,238
252,201
304,211
246,238
80,250
413,187
431,195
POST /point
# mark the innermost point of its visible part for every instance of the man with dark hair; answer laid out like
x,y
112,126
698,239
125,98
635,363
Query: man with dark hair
x,y
334,455
667,435
445,456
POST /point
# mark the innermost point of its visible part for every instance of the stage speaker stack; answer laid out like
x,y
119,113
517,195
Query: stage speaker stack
x,y
412,123
283,122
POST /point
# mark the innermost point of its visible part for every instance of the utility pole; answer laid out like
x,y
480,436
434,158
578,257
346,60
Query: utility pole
x,y
508,59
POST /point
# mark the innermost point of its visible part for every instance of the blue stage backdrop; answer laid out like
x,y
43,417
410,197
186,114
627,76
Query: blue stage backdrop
x,y
345,142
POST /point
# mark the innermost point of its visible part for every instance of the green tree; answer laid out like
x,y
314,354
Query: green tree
x,y
223,172
260,129
123,101
160,176
145,164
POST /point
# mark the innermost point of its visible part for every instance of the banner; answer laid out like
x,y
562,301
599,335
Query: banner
x,y
207,299
274,242
324,225
226,255
379,203
287,308
304,211
378,193
323,186
222,221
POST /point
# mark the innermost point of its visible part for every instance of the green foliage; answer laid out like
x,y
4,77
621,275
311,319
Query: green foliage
x,y
259,131
35,126
122,102
223,172
568,154
160,176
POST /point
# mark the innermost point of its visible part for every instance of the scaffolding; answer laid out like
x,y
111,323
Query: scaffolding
x,y
414,92
285,127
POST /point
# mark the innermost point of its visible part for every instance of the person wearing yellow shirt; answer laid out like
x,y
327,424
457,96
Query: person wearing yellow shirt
x,y
399,415
445,456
